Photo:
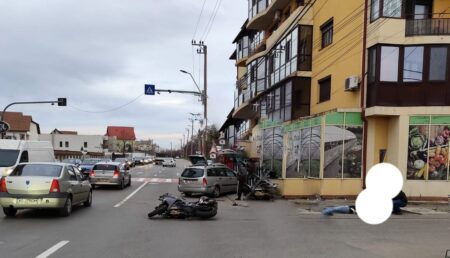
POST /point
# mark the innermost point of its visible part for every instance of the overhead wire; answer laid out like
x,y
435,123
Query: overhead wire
x,y
198,20
212,22
108,110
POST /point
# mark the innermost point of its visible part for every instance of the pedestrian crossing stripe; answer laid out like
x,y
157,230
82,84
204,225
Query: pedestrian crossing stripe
x,y
156,180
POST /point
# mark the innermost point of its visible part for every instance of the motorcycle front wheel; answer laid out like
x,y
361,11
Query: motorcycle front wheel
x,y
158,210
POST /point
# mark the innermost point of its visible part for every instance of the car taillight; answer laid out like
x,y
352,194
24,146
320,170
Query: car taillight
x,y
3,185
54,188
205,182
92,173
116,173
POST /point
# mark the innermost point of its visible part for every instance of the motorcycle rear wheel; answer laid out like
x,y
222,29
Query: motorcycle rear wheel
x,y
158,210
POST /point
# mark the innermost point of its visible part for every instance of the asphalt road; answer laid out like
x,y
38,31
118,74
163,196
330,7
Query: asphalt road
x,y
117,226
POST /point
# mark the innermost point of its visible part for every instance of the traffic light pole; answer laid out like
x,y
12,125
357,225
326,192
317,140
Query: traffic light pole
x,y
60,102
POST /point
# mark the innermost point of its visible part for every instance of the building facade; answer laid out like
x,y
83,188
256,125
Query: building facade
x,y
69,144
325,91
21,127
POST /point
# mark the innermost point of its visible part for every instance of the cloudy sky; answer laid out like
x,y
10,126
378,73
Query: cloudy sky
x,y
100,53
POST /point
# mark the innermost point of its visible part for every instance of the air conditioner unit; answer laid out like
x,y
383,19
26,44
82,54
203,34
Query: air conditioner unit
x,y
352,83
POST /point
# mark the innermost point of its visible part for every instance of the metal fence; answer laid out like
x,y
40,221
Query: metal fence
x,y
423,27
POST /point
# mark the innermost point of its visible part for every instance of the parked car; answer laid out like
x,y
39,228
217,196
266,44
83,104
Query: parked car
x,y
44,186
13,152
110,173
138,161
169,162
213,179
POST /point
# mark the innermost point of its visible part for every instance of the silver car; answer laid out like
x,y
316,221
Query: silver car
x,y
44,185
110,173
214,179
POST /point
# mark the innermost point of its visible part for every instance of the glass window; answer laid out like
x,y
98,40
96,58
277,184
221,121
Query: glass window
x,y
352,152
37,170
8,158
334,142
192,172
327,33
392,8
60,144
85,144
375,10
413,64
438,63
314,170
372,65
389,64
293,158
305,149
324,89
67,144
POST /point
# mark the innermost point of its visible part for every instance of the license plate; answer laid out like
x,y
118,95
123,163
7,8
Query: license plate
x,y
27,201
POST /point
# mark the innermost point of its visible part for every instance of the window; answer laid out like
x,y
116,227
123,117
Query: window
x,y
24,157
372,65
374,10
287,51
67,144
85,144
413,64
390,9
61,144
389,64
324,89
438,63
72,176
327,33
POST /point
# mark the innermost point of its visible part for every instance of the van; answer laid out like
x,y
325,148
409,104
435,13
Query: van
x,y
13,152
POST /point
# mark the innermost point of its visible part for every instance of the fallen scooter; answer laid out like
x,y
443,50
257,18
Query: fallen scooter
x,y
175,207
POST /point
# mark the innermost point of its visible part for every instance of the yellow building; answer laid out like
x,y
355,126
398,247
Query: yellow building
x,y
325,91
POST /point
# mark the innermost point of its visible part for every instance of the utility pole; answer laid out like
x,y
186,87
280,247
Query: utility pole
x,y
187,140
203,50
192,119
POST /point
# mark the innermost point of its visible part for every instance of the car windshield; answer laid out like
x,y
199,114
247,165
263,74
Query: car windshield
x,y
45,170
8,158
104,167
192,172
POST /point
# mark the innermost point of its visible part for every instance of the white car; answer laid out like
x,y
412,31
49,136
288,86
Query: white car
x,y
169,163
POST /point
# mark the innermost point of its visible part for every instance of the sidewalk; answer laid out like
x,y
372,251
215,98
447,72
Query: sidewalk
x,y
415,207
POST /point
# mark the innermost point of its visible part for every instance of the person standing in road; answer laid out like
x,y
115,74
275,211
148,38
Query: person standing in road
x,y
242,174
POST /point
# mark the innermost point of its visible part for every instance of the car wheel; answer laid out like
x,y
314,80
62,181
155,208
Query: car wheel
x,y
67,209
10,212
122,184
216,192
88,202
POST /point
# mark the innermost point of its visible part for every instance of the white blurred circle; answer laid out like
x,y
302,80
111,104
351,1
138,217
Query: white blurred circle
x,y
372,208
385,179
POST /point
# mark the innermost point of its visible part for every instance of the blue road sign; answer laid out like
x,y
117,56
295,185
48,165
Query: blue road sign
x,y
149,89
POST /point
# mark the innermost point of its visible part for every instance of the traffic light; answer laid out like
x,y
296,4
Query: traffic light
x,y
62,102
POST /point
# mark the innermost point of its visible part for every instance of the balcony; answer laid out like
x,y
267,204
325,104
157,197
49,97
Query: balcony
x,y
427,27
242,83
264,17
243,106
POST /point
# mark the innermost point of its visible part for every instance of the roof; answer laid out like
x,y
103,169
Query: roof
x,y
17,121
56,131
234,55
121,133
243,32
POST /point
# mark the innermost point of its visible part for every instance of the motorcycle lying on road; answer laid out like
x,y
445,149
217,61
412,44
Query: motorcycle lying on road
x,y
175,207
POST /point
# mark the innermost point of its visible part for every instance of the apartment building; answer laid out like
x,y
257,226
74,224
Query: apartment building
x,y
325,90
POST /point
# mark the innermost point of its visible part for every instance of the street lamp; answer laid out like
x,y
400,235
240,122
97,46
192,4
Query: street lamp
x,y
192,77
204,95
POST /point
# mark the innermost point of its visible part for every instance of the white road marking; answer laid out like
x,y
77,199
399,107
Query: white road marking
x,y
131,195
52,249
141,179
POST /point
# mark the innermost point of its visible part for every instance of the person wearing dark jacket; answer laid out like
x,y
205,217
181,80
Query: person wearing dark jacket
x,y
242,174
398,202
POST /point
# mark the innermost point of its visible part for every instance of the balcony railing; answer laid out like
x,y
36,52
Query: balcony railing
x,y
428,27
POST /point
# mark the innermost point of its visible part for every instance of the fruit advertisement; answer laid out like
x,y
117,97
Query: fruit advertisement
x,y
428,151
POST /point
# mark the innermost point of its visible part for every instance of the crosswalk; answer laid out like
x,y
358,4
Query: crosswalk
x,y
156,180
